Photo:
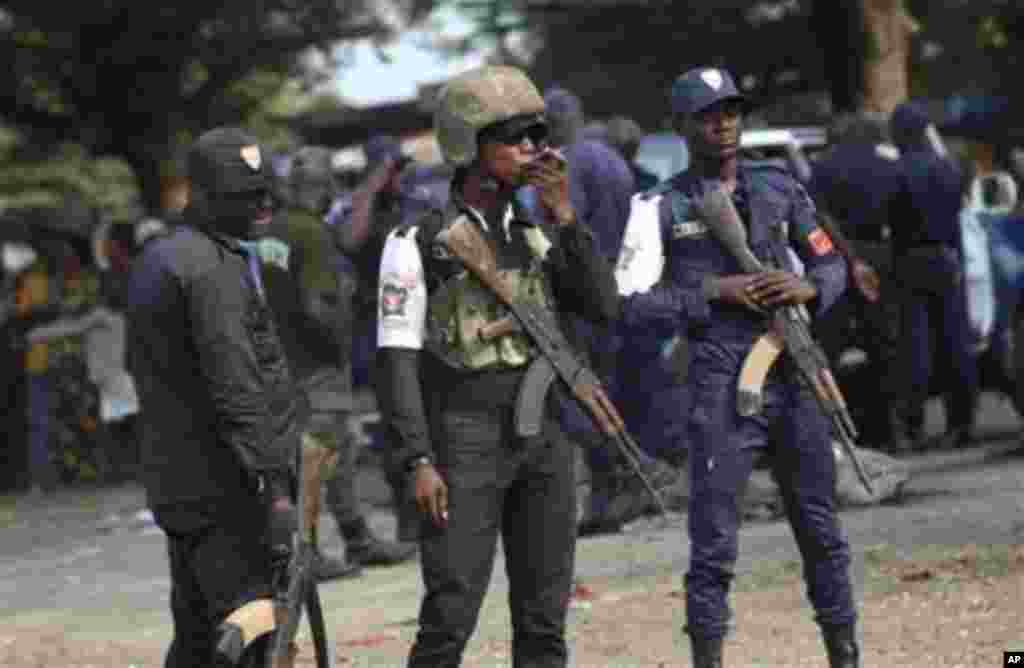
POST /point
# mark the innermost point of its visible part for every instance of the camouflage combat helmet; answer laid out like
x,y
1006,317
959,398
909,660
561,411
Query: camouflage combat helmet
x,y
479,98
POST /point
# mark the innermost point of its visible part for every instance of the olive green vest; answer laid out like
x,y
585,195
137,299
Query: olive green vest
x,y
461,306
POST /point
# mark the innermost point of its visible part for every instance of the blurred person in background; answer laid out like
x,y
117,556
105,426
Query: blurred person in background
x,y
624,135
312,307
18,255
600,180
102,330
600,186
853,184
992,196
651,390
359,224
36,302
928,260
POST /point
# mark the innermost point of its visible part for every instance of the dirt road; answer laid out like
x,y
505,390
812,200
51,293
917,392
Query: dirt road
x,y
940,575
944,607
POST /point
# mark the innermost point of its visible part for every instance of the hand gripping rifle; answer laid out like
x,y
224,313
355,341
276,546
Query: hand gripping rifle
x,y
557,358
790,332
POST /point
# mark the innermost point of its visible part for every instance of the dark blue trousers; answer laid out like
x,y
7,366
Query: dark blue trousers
x,y
653,401
723,446
935,338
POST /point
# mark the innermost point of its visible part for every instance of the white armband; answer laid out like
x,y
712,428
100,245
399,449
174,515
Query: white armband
x,y
642,257
402,294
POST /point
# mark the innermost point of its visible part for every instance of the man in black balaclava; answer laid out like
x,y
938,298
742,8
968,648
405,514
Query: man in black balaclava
x,y
232,184
218,408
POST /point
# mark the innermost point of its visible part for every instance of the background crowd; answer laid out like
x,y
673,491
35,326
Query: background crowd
x,y
70,393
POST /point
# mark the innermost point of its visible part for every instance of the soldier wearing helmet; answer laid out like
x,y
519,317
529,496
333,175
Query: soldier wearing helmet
x,y
705,295
449,391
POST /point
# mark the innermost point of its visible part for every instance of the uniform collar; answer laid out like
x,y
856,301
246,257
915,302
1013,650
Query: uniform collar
x,y
202,226
458,205
506,222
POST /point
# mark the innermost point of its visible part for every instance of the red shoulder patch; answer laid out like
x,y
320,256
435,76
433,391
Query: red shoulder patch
x,y
820,242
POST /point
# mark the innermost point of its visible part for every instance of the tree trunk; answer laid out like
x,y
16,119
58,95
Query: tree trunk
x,y
839,30
888,29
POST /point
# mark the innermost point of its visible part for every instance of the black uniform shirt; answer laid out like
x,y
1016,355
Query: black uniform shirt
x,y
217,406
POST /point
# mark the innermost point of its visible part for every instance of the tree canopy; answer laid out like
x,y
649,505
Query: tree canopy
x,y
621,56
135,80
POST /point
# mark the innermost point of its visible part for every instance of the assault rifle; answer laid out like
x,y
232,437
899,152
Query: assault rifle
x,y
790,332
557,359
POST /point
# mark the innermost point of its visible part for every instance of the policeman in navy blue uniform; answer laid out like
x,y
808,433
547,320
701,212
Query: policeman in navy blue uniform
x,y
704,290
854,183
926,250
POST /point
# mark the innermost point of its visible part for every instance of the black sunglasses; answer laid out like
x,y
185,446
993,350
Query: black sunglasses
x,y
514,134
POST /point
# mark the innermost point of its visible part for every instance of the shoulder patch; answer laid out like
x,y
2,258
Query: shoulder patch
x,y
393,298
819,241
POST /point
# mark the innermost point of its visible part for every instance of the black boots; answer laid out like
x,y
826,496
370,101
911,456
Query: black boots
x,y
706,652
362,547
841,644
327,568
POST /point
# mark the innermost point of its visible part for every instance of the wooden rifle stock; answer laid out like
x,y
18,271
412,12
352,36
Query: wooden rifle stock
x,y
791,325
465,241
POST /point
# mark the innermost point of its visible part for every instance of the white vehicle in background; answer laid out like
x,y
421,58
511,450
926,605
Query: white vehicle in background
x,y
665,153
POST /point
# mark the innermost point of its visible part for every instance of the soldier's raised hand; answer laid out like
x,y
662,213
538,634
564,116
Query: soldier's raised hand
x,y
549,173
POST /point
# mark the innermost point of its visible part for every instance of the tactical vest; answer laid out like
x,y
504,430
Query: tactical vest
x,y
460,306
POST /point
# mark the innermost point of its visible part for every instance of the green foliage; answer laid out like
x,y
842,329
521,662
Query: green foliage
x,y
105,183
620,56
133,80
493,21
